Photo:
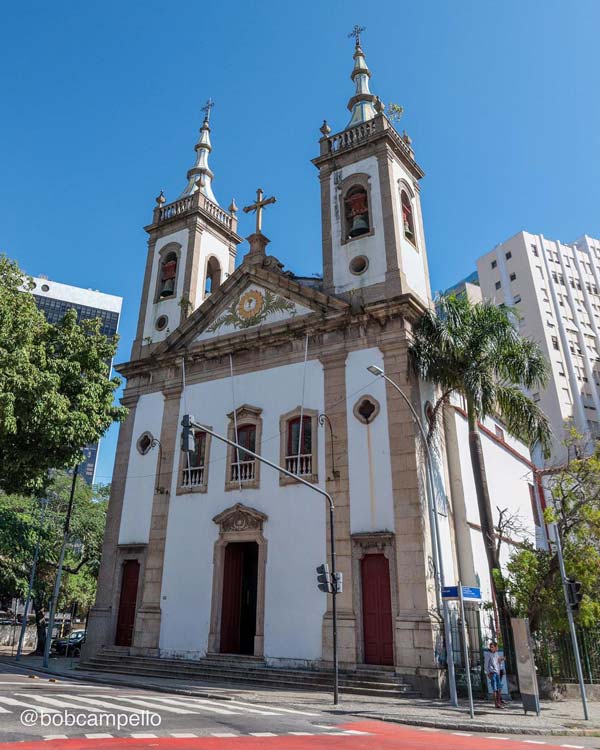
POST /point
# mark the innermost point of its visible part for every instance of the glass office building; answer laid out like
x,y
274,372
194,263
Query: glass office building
x,y
54,299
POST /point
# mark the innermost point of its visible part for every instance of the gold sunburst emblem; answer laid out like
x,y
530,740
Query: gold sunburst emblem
x,y
250,304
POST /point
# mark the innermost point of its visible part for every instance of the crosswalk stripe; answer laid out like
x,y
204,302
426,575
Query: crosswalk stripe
x,y
301,734
60,704
55,737
495,737
535,742
98,736
156,706
4,711
577,747
195,706
354,731
462,734
223,734
144,735
105,704
13,702
275,708
183,735
216,706
262,734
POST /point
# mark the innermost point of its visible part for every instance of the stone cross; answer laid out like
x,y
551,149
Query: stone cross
x,y
356,32
258,207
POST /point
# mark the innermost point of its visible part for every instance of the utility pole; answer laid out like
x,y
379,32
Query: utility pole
x,y
59,570
36,554
188,423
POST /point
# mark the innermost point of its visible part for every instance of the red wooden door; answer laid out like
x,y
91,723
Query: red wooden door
x,y
232,599
127,601
377,610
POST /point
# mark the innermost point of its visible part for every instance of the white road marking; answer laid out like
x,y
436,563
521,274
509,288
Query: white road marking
x,y
494,737
13,702
190,701
275,708
577,747
354,731
183,735
195,706
262,734
462,734
428,729
98,736
144,735
223,734
535,742
301,734
59,704
55,737
155,706
116,707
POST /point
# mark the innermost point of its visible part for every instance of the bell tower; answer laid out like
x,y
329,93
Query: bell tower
x,y
191,250
373,238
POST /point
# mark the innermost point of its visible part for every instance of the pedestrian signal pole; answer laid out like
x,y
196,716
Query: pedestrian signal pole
x,y
189,424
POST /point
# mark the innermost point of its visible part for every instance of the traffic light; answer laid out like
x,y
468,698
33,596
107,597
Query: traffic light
x,y
324,579
574,593
188,444
338,582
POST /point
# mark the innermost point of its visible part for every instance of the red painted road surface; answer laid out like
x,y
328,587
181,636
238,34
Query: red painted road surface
x,y
382,736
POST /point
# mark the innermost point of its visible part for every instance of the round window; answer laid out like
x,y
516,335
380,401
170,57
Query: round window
x,y
144,443
359,265
161,322
366,409
45,288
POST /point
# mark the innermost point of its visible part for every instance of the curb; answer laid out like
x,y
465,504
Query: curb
x,y
464,726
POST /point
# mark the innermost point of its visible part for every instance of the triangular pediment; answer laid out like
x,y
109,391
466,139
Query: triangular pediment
x,y
250,299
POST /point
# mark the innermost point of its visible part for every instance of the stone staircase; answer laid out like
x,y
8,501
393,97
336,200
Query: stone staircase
x,y
251,671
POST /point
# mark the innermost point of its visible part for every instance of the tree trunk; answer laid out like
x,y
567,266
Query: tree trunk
x,y
40,625
486,520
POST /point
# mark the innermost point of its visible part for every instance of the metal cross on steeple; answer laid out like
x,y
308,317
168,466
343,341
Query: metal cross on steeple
x,y
356,32
258,207
206,108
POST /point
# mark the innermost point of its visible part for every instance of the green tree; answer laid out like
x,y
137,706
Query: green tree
x,y
55,393
474,351
20,528
533,582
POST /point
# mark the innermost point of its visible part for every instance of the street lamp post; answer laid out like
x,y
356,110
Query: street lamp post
x,y
189,420
435,530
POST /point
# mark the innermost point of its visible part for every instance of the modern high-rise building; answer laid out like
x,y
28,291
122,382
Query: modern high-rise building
x,y
555,286
54,300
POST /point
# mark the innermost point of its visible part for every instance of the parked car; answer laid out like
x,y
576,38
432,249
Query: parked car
x,y
71,645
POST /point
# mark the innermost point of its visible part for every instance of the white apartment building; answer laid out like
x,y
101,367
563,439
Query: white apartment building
x,y
555,287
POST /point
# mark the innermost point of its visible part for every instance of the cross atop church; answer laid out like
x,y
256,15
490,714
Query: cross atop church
x,y
356,32
258,206
207,108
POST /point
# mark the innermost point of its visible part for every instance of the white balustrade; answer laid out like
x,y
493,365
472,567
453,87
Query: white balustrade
x,y
301,466
243,471
193,477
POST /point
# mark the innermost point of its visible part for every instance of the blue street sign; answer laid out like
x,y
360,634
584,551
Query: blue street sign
x,y
469,592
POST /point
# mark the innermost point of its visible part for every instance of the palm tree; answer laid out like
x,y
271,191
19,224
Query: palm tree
x,y
474,351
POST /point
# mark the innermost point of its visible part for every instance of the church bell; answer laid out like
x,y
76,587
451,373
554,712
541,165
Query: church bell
x,y
168,288
360,225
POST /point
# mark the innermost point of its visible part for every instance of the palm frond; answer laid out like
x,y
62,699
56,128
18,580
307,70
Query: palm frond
x,y
523,417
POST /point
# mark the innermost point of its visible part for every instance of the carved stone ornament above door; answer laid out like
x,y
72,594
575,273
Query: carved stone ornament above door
x,y
240,518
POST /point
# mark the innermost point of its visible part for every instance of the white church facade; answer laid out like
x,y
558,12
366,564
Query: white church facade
x,y
212,552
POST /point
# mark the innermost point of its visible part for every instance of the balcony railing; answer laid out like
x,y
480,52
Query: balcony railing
x,y
243,471
193,477
299,465
189,202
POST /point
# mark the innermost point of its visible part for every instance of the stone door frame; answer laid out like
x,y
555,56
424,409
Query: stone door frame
x,y
240,523
126,552
375,543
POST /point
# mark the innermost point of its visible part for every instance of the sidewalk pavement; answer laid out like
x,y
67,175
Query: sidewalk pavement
x,y
557,717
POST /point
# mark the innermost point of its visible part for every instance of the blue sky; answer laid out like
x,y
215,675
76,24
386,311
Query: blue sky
x,y
102,109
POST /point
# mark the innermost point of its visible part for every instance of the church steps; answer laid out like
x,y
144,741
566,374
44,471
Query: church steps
x,y
251,671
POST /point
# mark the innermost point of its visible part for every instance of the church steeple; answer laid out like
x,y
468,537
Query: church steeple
x,y
363,105
200,175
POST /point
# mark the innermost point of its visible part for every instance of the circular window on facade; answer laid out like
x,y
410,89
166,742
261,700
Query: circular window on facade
x,y
359,265
45,288
161,322
366,409
144,443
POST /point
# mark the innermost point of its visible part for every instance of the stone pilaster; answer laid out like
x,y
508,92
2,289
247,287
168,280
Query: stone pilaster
x,y
192,266
101,622
416,626
334,375
147,622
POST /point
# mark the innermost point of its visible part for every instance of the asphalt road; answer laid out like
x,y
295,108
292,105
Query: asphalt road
x,y
72,714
